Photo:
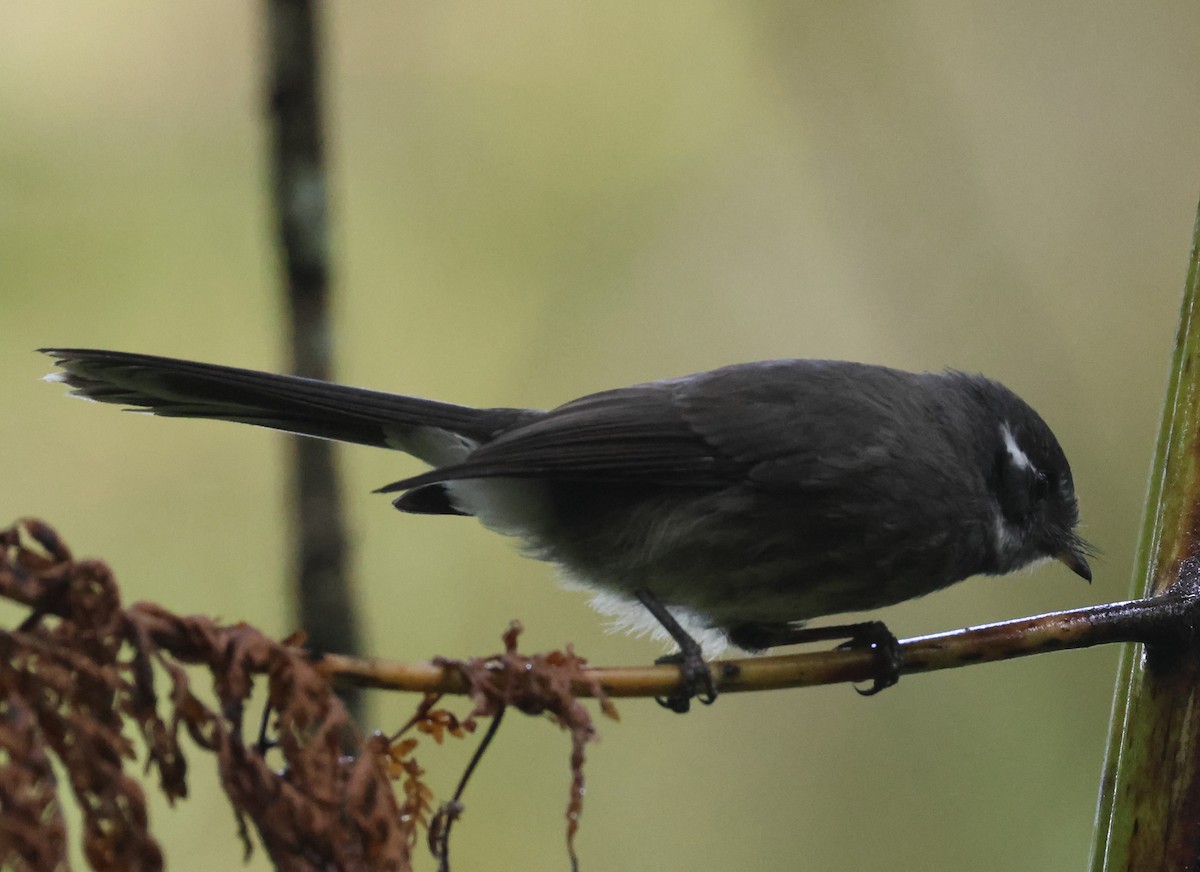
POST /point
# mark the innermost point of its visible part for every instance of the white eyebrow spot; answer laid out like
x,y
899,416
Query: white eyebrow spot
x,y
1018,457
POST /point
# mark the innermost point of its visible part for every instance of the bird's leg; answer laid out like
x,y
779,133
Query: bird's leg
x,y
872,635
695,678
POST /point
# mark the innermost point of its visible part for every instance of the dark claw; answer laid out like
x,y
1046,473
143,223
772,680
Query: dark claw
x,y
695,678
695,681
876,637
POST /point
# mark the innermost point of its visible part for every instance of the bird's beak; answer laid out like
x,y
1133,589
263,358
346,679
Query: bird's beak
x,y
1077,563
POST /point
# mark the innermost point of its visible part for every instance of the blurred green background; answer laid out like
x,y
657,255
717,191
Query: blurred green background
x,y
535,200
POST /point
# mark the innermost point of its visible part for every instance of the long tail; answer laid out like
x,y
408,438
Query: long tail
x,y
184,389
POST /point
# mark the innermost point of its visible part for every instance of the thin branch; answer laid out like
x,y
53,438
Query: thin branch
x,y
1160,620
439,830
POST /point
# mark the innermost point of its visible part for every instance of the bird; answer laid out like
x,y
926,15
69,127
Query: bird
x,y
727,507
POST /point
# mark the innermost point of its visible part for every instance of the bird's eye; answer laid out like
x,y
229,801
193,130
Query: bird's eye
x,y
1019,487
1041,486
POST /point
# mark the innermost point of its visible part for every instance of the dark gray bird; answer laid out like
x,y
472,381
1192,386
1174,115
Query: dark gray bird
x,y
726,506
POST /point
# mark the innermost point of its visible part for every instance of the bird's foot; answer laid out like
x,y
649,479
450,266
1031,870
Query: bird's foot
x,y
877,638
695,681
695,678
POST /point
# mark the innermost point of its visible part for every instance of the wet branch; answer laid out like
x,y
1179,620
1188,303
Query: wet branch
x,y
1166,623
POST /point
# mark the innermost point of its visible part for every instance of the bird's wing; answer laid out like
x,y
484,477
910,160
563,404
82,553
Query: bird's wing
x,y
636,434
795,425
805,425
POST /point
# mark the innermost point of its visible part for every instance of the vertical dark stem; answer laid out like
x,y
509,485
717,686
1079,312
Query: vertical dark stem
x,y
324,594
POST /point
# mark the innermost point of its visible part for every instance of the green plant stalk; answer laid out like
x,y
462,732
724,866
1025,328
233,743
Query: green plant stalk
x,y
1148,814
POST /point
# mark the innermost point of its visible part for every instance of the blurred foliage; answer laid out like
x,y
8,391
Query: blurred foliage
x,y
536,200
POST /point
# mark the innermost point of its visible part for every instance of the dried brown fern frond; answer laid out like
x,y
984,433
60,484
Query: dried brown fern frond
x,y
78,684
80,671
